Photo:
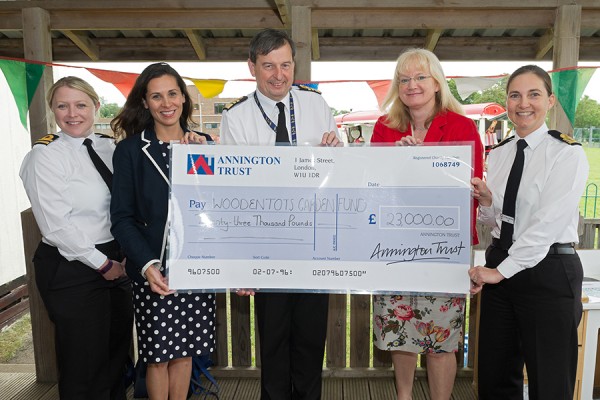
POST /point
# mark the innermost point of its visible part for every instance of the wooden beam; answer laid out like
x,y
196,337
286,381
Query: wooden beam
x,y
433,35
10,21
518,48
315,45
432,19
119,5
84,43
566,53
590,18
247,4
545,44
444,4
283,8
302,35
197,43
323,19
164,19
448,48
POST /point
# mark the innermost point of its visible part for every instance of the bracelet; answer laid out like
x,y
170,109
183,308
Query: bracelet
x,y
107,267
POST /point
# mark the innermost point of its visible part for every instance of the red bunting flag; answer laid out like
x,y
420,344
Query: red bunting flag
x,y
123,81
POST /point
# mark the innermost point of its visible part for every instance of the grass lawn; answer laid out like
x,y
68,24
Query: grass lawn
x,y
13,337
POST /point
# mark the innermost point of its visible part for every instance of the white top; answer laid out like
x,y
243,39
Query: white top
x,y
69,199
243,124
547,208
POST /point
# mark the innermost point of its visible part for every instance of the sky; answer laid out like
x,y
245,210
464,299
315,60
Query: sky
x,y
341,96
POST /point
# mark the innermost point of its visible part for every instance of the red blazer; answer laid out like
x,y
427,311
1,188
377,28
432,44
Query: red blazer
x,y
445,127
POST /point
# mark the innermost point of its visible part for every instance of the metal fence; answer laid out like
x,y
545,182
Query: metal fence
x,y
587,136
589,201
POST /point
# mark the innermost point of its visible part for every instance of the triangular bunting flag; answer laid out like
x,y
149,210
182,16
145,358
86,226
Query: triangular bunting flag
x,y
23,79
380,88
466,86
123,81
209,87
568,86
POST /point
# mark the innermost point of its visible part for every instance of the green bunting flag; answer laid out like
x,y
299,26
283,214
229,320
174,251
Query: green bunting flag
x,y
23,79
568,86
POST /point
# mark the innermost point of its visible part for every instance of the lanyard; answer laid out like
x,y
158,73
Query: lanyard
x,y
272,125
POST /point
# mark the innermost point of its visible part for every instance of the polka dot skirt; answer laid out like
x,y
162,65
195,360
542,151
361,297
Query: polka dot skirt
x,y
174,326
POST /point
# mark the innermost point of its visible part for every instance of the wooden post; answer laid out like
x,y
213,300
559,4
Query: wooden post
x,y
37,43
336,331
241,352
302,35
42,329
360,324
220,358
567,28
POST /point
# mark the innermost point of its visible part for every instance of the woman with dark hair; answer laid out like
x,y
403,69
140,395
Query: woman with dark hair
x,y
531,281
171,327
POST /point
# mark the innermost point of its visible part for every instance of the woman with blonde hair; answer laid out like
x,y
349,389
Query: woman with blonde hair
x,y
79,267
421,109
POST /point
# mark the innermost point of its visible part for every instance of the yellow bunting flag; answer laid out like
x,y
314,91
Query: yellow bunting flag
x,y
209,87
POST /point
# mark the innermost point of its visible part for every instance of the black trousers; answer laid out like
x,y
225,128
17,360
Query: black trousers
x,y
93,321
292,329
530,318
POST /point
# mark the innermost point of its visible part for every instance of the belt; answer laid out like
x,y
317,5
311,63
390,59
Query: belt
x,y
557,249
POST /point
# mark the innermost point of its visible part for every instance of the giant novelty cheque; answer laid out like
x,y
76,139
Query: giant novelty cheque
x,y
333,219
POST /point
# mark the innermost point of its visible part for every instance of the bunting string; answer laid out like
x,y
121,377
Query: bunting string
x,y
23,77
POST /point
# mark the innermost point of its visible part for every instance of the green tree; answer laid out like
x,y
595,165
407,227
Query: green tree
x,y
109,110
588,113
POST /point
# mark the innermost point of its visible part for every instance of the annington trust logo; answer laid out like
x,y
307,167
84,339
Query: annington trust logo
x,y
200,164
203,164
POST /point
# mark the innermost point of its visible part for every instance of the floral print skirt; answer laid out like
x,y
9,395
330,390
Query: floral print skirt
x,y
418,324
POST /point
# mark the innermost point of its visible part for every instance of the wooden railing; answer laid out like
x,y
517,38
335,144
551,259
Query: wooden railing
x,y
589,237
234,316
14,300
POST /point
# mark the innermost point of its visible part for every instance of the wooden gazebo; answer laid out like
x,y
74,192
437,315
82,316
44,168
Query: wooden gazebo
x,y
563,31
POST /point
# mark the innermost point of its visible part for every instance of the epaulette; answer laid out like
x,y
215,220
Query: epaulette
x,y
104,136
46,140
235,102
308,89
564,138
502,143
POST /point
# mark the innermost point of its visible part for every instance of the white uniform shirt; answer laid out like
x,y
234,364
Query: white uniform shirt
x,y
547,208
69,199
243,124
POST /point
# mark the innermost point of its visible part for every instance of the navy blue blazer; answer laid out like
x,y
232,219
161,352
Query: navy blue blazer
x,y
139,205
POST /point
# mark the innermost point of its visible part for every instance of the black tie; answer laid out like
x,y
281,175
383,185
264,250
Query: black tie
x,y
99,164
510,197
282,132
